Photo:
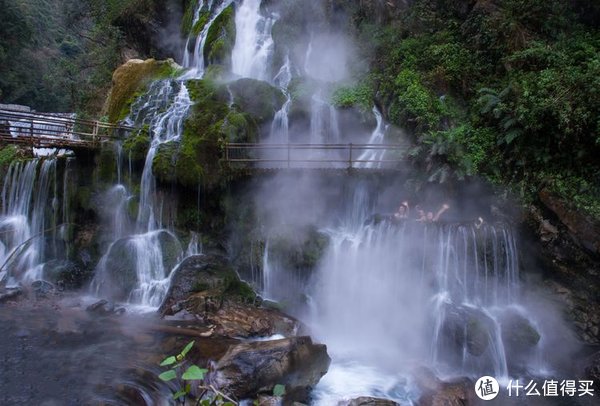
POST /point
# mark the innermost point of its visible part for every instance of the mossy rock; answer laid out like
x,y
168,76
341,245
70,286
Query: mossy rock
x,y
130,80
220,38
203,19
171,249
518,333
137,144
257,98
164,162
106,165
299,250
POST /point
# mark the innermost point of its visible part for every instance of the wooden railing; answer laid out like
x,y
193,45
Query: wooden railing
x,y
317,156
45,130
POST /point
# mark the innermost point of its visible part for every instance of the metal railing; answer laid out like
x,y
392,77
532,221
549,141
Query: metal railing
x,y
318,156
47,130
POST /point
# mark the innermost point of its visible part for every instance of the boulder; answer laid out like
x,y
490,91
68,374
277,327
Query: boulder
x,y
252,368
518,334
257,98
129,79
435,392
10,294
207,286
220,38
42,288
208,274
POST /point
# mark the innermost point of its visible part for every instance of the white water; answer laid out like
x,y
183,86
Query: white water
x,y
253,43
28,195
372,158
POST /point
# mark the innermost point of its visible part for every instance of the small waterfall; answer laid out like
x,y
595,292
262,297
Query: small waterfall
x,y
194,59
377,137
29,213
280,126
253,43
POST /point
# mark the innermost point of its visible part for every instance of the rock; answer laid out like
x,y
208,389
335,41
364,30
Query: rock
x,y
249,369
220,38
466,327
436,392
119,266
42,288
10,294
592,368
64,274
208,274
3,278
369,401
518,334
130,78
257,98
235,320
269,401
105,308
582,227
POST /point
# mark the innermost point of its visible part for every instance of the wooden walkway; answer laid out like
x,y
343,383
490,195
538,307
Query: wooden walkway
x,y
315,156
60,131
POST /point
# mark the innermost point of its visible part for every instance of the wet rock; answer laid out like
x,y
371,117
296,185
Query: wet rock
x,y
436,392
10,294
64,274
105,308
368,401
583,228
3,278
42,288
249,369
235,320
466,327
207,286
270,401
518,334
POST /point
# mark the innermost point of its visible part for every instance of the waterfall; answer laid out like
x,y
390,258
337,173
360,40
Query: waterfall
x,y
376,138
29,195
280,126
253,43
194,60
163,109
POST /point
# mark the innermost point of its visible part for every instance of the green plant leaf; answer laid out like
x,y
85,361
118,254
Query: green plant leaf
x,y
279,390
179,394
168,375
168,361
186,349
193,373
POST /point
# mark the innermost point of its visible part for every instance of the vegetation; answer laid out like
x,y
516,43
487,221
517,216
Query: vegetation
x,y
209,396
506,89
60,55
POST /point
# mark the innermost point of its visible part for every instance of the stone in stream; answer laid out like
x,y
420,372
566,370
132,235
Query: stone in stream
x,y
435,392
42,288
207,286
252,368
10,294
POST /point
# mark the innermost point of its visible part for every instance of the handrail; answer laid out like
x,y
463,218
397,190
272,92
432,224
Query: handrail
x,y
51,118
304,155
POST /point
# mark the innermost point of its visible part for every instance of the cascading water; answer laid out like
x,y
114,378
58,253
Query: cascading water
x,y
372,158
390,295
163,109
253,43
28,218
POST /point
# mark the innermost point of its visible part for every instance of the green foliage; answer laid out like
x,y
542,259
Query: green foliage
x,y
8,155
137,144
279,390
360,96
220,38
192,373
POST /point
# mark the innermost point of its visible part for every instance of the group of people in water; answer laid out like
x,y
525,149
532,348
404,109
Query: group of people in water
x,y
403,213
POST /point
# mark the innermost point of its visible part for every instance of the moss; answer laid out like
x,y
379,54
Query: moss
x,y
8,155
258,98
299,251
240,127
137,145
220,38
163,164
188,17
203,18
106,165
129,81
235,288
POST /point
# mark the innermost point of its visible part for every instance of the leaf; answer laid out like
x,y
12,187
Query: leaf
x,y
168,361
279,390
168,375
179,394
193,373
186,349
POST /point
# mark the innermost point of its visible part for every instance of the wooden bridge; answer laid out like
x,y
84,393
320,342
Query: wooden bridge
x,y
52,130
315,156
